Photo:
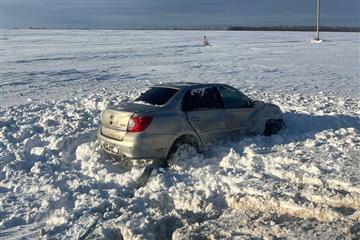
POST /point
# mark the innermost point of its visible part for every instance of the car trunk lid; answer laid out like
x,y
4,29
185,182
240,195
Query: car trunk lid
x,y
114,119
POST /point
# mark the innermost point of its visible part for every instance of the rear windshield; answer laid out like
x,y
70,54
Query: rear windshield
x,y
156,95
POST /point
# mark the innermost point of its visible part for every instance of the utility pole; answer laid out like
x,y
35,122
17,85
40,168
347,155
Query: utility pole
x,y
318,21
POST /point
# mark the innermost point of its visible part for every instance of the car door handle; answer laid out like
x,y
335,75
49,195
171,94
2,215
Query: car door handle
x,y
195,119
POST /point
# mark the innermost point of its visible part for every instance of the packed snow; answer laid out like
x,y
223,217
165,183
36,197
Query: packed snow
x,y
55,181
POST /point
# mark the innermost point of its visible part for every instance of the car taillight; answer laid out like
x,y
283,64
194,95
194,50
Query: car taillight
x,y
138,123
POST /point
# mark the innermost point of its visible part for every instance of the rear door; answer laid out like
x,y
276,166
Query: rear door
x,y
238,111
204,112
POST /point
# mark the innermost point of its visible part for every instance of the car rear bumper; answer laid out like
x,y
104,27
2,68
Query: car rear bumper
x,y
137,146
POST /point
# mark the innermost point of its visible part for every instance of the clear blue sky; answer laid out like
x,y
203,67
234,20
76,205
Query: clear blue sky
x,y
110,14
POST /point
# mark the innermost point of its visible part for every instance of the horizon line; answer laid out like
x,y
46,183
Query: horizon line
x,y
304,28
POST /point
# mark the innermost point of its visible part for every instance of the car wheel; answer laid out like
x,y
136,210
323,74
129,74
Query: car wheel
x,y
273,126
181,151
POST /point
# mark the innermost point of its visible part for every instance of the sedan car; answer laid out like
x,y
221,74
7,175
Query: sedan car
x,y
167,117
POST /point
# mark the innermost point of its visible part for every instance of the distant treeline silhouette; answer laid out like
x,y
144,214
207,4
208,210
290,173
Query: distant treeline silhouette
x,y
295,28
231,28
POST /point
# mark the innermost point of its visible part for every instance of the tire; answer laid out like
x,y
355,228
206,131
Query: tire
x,y
273,126
183,148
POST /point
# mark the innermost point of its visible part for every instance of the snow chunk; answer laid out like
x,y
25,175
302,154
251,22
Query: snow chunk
x,y
38,151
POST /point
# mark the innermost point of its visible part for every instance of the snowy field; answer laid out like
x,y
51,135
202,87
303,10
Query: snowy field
x,y
55,182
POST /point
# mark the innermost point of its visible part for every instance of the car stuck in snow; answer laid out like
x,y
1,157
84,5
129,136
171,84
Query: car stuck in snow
x,y
167,118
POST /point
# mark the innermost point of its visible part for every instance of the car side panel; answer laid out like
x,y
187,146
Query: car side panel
x,y
210,125
238,120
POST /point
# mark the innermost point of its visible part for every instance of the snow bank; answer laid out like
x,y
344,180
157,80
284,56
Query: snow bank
x,y
55,182
305,175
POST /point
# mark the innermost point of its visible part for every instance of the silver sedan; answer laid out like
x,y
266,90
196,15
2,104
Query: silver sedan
x,y
167,117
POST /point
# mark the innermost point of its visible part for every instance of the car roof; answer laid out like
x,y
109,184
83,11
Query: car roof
x,y
187,85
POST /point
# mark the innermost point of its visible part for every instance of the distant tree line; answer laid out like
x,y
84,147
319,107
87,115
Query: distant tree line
x,y
295,28
236,28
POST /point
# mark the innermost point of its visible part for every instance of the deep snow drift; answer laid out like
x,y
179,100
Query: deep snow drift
x,y
55,181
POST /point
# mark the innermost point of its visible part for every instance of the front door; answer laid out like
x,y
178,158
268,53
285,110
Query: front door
x,y
238,111
205,114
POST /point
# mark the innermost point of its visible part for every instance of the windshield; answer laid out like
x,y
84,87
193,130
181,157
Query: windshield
x,y
156,95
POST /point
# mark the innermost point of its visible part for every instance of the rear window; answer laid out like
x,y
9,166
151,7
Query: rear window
x,y
156,95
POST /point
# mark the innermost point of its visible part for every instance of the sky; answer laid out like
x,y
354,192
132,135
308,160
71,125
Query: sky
x,y
128,14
